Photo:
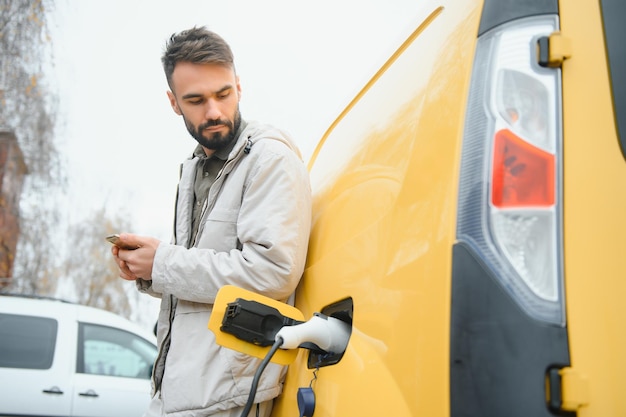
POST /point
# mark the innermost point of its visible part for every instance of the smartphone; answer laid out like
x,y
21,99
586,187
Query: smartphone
x,y
115,239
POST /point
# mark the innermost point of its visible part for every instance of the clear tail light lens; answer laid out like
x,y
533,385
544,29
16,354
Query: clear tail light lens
x,y
510,181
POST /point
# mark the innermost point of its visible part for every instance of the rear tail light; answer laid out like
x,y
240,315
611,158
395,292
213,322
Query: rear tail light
x,y
510,181
522,174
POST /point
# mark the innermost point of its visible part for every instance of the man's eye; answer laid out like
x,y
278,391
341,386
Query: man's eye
x,y
223,94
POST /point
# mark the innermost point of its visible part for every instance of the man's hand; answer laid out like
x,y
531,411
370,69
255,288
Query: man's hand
x,y
135,263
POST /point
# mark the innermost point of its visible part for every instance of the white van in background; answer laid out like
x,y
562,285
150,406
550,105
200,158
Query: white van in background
x,y
64,359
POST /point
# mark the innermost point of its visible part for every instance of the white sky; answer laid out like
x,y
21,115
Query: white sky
x,y
300,63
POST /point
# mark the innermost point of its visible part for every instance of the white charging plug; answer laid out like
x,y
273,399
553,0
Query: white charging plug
x,y
328,333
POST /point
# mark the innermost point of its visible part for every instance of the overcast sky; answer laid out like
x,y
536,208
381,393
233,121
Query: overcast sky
x,y
300,63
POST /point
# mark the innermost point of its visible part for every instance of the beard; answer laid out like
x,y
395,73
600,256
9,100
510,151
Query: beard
x,y
217,140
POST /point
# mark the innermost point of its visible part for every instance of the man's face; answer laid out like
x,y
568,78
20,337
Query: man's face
x,y
207,96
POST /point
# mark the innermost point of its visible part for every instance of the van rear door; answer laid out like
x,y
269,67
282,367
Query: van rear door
x,y
594,124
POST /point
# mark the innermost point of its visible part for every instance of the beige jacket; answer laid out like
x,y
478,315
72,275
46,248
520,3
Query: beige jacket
x,y
253,234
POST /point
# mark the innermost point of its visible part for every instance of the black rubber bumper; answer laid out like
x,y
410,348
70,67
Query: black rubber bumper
x,y
499,356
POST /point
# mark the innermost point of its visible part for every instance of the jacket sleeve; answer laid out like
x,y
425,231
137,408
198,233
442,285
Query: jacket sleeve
x,y
145,286
272,228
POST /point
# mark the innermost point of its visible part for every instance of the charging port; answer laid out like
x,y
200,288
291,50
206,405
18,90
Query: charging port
x,y
341,310
254,322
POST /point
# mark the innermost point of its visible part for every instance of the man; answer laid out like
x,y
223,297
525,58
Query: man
x,y
243,213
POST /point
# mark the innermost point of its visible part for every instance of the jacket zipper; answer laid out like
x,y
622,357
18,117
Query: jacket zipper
x,y
210,202
166,339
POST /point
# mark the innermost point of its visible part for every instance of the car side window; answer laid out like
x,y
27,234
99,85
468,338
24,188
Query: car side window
x,y
105,350
27,342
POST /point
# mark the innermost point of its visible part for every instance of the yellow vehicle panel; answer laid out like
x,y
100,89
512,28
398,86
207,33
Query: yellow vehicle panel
x,y
438,327
594,221
385,179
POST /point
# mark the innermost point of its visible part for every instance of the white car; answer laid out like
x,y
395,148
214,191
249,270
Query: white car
x,y
64,359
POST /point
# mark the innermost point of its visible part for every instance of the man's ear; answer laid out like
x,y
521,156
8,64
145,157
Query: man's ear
x,y
174,103
238,89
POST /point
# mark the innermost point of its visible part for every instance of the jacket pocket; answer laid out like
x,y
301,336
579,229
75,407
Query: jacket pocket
x,y
220,230
243,367
195,379
186,307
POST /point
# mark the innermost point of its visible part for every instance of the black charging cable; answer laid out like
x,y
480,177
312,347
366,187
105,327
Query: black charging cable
x,y
257,376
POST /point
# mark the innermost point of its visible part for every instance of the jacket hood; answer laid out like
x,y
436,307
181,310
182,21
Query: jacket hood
x,y
255,131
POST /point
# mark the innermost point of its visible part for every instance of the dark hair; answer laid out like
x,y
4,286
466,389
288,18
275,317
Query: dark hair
x,y
197,45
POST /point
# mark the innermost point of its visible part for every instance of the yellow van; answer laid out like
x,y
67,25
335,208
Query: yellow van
x,y
469,219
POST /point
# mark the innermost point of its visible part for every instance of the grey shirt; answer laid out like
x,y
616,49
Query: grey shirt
x,y
207,170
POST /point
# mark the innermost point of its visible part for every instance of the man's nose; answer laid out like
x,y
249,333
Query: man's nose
x,y
212,110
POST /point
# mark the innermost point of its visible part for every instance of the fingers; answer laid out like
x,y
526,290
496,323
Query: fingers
x,y
134,255
129,241
127,277
124,270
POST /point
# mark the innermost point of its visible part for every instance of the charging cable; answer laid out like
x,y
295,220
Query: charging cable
x,y
257,375
320,332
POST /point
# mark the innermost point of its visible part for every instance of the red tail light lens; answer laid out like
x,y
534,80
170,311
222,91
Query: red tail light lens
x,y
523,174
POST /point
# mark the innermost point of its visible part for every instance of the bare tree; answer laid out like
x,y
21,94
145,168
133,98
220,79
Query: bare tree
x,y
53,257
28,108
89,271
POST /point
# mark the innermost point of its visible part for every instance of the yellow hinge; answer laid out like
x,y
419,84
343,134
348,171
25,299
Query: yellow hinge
x,y
559,49
574,389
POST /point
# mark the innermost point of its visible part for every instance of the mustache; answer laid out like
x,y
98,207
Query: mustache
x,y
216,122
